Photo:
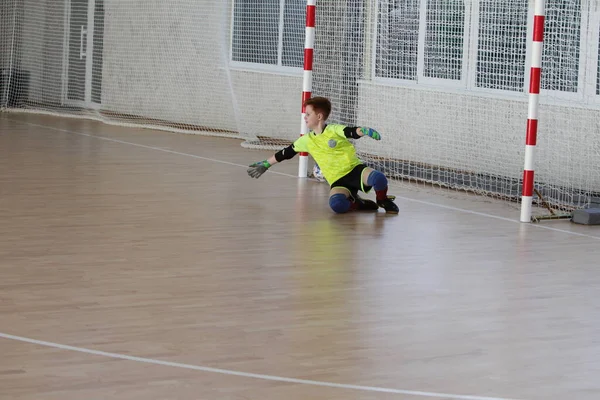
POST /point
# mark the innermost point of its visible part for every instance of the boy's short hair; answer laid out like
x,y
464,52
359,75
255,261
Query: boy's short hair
x,y
320,105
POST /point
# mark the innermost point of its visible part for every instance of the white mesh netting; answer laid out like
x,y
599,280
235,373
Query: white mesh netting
x,y
444,81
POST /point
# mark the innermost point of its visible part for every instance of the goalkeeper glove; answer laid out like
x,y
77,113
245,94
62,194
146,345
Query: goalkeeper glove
x,y
258,168
372,133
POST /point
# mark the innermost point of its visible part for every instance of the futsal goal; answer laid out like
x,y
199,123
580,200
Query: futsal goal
x,y
446,82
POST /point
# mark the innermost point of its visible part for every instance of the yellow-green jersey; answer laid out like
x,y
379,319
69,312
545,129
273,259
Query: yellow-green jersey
x,y
331,149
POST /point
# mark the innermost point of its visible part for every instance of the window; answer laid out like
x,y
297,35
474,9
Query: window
x,y
398,44
421,39
294,26
425,40
269,32
444,39
502,45
562,43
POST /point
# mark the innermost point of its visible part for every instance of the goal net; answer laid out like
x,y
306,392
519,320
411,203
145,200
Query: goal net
x,y
444,81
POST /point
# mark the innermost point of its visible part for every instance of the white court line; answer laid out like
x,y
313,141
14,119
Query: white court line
x,y
144,146
294,176
497,217
247,374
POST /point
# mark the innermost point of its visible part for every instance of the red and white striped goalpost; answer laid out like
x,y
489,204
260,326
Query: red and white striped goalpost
x,y
532,116
309,42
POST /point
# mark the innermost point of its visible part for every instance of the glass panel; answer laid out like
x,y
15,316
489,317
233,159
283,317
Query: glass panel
x,y
398,39
255,31
562,37
294,26
502,44
444,39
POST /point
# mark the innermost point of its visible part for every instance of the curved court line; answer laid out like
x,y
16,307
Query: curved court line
x,y
246,374
294,176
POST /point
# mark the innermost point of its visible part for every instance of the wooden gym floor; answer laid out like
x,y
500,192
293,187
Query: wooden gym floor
x,y
138,264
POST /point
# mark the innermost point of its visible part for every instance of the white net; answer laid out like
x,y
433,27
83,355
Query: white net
x,y
183,65
447,82
444,81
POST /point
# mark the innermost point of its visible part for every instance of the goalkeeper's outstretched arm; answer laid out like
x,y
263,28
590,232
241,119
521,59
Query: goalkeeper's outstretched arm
x,y
258,168
357,132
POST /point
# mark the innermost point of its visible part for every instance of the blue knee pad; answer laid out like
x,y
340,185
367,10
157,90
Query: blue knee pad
x,y
377,180
339,203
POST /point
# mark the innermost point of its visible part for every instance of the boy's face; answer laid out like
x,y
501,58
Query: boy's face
x,y
311,118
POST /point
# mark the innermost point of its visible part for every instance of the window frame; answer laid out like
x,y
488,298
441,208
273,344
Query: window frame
x,y
453,83
422,81
474,47
278,68
385,80
589,64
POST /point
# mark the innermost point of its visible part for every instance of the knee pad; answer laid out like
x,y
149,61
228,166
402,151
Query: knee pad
x,y
339,203
377,180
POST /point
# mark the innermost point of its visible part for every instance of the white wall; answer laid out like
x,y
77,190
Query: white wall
x,y
172,63
268,104
168,62
475,133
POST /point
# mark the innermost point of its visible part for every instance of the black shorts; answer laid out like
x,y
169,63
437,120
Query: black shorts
x,y
353,180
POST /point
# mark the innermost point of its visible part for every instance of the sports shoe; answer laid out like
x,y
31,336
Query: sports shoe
x,y
388,205
360,204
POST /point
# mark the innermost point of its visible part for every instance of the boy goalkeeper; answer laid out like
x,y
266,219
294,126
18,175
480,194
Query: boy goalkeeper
x,y
336,156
